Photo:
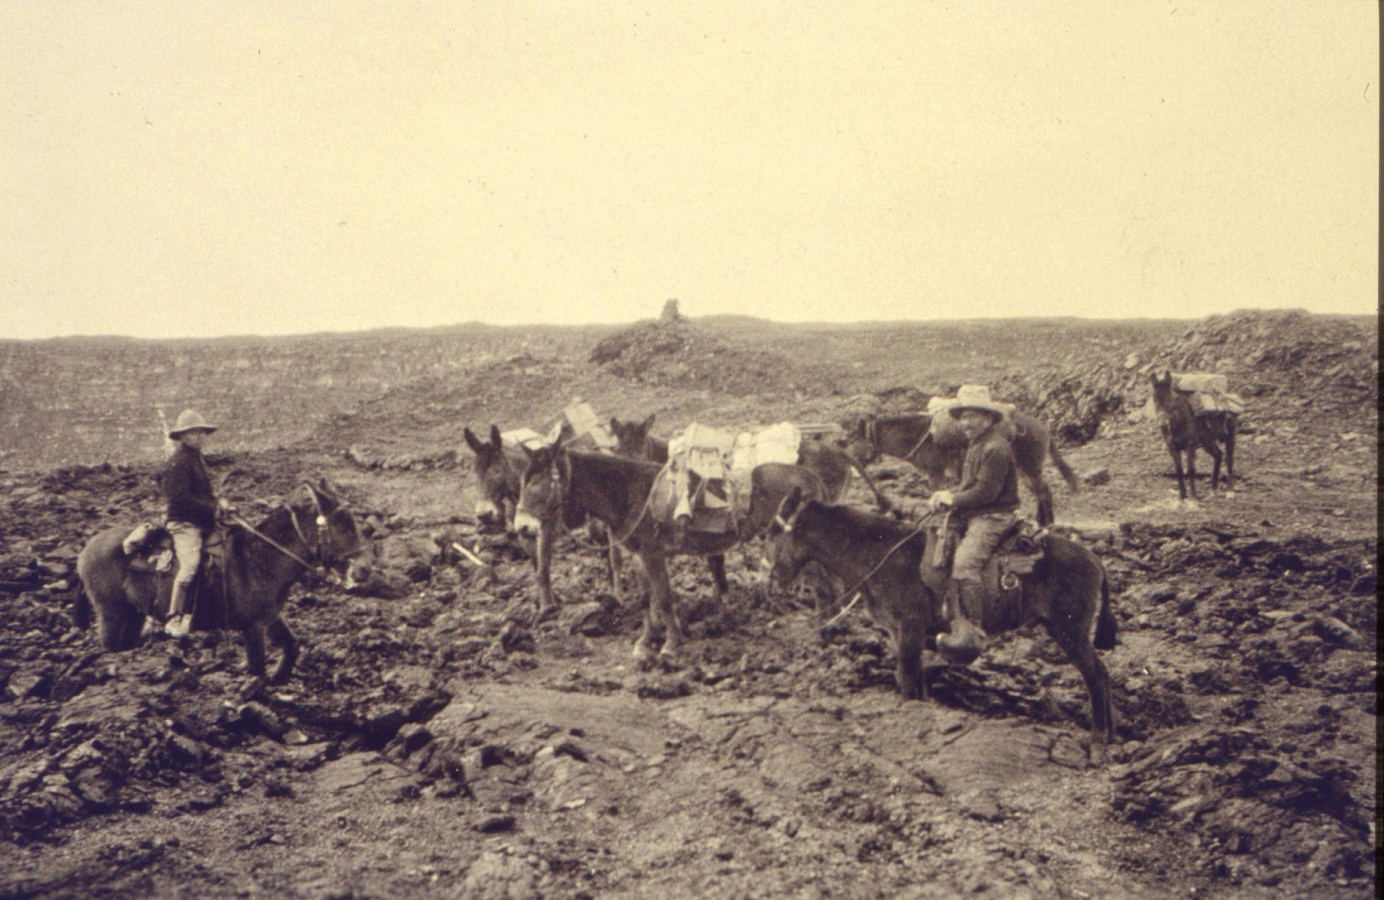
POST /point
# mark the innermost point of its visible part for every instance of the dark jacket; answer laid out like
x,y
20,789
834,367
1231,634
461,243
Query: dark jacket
x,y
989,477
187,488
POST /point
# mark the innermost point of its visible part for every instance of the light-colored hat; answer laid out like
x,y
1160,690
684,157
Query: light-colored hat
x,y
190,420
976,396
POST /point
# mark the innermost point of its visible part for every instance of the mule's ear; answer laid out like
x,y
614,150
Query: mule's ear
x,y
495,437
615,425
473,442
647,423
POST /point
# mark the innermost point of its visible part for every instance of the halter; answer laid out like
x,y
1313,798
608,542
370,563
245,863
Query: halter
x,y
314,550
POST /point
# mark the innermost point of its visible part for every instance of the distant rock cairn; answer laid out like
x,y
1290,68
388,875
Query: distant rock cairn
x,y
670,312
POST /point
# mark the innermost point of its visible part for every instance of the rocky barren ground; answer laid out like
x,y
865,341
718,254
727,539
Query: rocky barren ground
x,y
437,740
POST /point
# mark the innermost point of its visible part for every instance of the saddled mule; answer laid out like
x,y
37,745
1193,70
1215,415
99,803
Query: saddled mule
x,y
936,446
1184,431
248,593
561,484
833,466
1067,590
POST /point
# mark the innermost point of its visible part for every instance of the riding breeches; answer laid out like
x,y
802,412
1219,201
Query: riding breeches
x,y
187,546
983,534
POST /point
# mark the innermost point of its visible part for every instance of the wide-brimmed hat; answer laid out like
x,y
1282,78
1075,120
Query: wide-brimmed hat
x,y
976,396
190,420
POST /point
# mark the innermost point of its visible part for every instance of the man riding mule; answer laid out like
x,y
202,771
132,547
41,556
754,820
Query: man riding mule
x,y
984,508
261,563
191,511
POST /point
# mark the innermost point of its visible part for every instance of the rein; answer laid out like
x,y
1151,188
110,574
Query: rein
x,y
238,520
855,588
298,530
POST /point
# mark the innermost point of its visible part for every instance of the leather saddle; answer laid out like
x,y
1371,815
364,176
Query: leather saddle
x,y
149,550
1019,551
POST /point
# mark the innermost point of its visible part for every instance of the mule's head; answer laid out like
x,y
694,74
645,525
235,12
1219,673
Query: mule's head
x,y
1162,388
542,489
784,551
858,439
337,542
631,438
499,482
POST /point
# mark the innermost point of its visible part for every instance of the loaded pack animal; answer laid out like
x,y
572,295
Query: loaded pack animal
x,y
1184,430
566,485
936,446
245,590
831,464
893,563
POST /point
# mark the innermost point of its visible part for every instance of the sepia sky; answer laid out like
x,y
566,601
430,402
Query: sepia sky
x,y
187,168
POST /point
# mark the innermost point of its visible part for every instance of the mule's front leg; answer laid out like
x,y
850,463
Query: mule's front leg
x,y
1215,465
1177,467
281,637
254,648
543,569
661,615
717,563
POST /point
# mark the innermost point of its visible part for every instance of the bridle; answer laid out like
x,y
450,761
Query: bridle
x,y
314,547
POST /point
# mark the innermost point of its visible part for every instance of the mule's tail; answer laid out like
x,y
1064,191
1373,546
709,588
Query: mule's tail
x,y
1067,474
81,606
1106,626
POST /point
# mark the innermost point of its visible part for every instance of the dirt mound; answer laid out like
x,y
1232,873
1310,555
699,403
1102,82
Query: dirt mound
x,y
675,352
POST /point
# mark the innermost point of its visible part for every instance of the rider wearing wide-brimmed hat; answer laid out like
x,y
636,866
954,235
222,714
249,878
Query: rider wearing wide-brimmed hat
x,y
984,506
191,510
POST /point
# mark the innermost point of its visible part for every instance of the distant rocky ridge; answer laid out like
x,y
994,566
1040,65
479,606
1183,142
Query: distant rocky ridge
x,y
93,400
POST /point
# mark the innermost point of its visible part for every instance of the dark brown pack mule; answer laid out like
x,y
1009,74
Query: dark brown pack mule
x,y
261,563
566,485
936,446
1067,590
1184,430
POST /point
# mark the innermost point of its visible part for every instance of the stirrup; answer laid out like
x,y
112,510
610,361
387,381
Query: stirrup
x,y
963,643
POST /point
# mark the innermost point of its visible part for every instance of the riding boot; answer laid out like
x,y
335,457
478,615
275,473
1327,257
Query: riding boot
x,y
179,621
965,640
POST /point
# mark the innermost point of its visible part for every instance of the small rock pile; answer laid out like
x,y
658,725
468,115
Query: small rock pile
x,y
676,353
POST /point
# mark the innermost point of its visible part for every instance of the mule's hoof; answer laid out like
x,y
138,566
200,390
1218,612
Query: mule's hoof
x,y
251,689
